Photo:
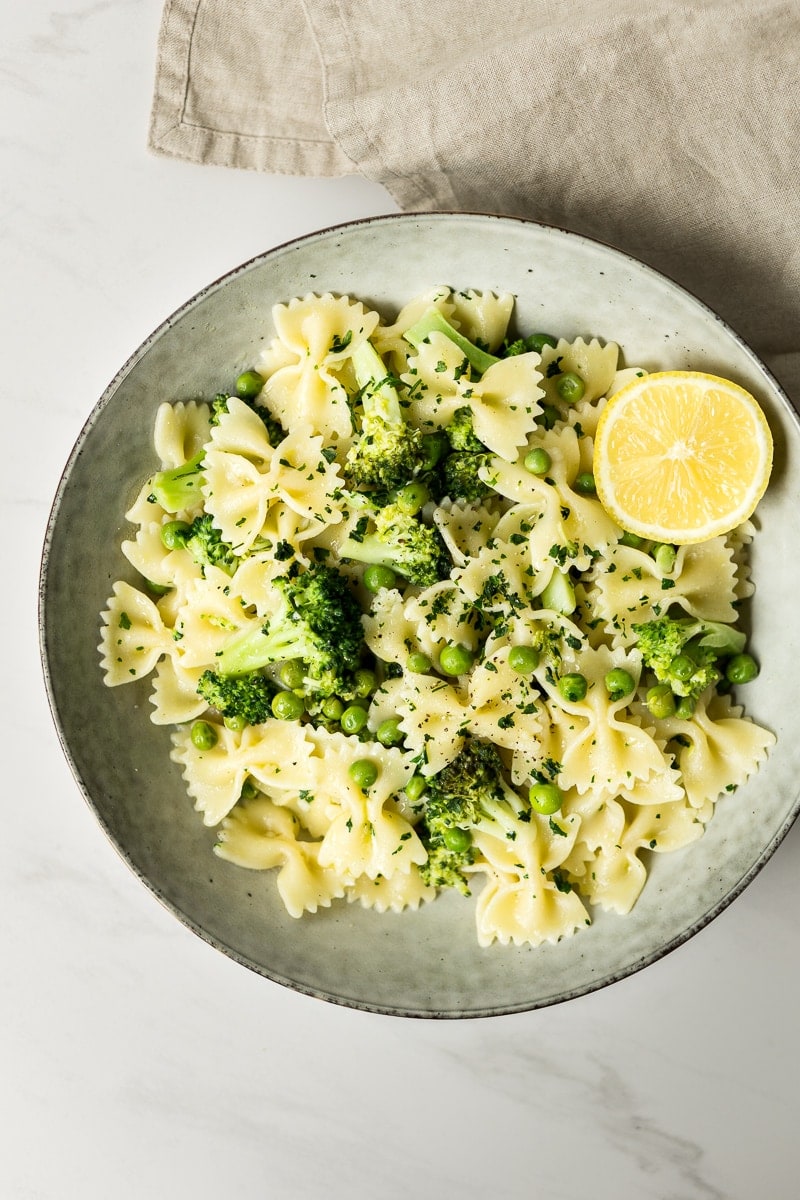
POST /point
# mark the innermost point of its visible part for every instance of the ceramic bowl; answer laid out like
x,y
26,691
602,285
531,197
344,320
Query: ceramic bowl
x,y
423,964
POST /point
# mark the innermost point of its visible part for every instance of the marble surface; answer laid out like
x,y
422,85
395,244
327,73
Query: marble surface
x,y
136,1060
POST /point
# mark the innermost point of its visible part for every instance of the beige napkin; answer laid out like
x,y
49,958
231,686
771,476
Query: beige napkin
x,y
669,130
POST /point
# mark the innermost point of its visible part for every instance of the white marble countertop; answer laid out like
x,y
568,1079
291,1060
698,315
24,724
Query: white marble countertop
x,y
140,1062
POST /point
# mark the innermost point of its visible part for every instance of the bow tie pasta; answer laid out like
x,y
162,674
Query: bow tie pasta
x,y
404,648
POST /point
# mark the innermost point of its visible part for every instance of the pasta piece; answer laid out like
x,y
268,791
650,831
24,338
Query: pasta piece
x,y
433,718
174,696
181,430
133,636
260,835
405,890
521,901
595,363
465,528
149,556
210,615
482,317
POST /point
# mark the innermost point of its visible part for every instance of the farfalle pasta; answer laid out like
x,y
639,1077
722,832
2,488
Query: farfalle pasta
x,y
403,648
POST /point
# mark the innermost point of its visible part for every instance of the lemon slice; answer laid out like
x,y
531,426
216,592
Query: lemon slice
x,y
681,456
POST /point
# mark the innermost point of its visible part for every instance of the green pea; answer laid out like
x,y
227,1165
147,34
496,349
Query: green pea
x,y
573,686
235,724
664,556
249,384
545,798
456,839
682,667
456,659
660,701
523,659
389,732
538,341
411,498
332,708
619,683
742,668
684,708
287,706
292,674
377,577
584,484
537,461
631,539
418,663
415,787
363,772
434,446
174,535
364,682
249,790
570,387
204,736
353,719
548,416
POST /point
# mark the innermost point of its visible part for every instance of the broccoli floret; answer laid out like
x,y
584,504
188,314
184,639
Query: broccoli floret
x,y
400,541
275,431
460,478
179,488
433,321
318,622
684,652
247,697
206,546
388,452
461,432
469,793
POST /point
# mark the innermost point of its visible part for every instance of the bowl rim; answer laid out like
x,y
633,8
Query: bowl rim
x,y
778,393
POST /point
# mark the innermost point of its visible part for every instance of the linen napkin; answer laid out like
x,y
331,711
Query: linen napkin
x,y
669,130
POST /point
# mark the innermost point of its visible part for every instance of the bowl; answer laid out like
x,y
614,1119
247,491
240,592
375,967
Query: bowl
x,y
425,963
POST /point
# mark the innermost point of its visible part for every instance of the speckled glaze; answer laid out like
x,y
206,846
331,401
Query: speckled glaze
x,y
424,964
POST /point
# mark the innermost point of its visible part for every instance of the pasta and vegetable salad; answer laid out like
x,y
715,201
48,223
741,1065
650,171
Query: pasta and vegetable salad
x,y
403,646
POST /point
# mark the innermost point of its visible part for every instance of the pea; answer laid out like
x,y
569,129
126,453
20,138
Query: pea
x,y
235,724
332,708
684,708
742,668
364,682
411,498
363,772
538,341
456,839
249,384
664,556
389,732
204,736
682,667
353,719
573,686
175,534
570,387
545,798
660,701
631,539
456,659
584,484
293,674
618,683
377,577
434,446
523,659
537,461
287,706
249,790
415,788
418,663
548,416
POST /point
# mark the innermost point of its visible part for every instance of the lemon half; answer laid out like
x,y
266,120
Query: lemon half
x,y
681,456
